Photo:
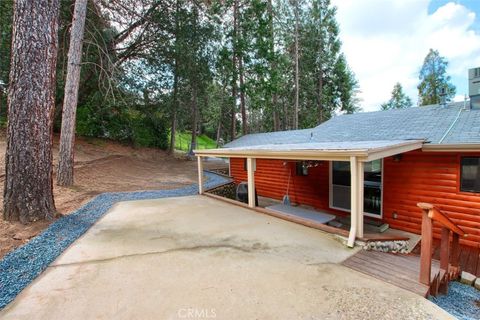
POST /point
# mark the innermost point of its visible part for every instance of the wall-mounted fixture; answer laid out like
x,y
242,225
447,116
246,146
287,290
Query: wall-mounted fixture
x,y
397,157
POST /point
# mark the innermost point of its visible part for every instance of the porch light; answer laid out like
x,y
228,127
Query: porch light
x,y
397,157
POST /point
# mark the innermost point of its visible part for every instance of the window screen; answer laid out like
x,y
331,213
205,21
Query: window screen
x,y
470,174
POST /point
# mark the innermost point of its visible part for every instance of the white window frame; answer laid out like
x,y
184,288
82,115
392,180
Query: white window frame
x,y
330,194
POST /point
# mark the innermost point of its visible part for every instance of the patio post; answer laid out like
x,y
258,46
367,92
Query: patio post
x,y
353,201
251,182
360,198
200,174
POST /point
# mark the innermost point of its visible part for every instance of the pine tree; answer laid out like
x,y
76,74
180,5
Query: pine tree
x,y
399,99
28,194
434,80
327,83
67,136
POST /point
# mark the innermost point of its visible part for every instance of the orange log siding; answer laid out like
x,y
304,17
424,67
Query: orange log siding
x,y
417,177
434,178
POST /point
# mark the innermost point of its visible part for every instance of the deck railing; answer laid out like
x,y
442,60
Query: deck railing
x,y
449,264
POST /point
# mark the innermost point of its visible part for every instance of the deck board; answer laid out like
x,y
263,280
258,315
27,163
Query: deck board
x,y
399,270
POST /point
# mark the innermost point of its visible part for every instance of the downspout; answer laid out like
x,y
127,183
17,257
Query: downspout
x,y
353,202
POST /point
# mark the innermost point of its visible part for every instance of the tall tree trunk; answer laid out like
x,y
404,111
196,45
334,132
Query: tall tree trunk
x,y
297,90
273,69
243,107
193,144
234,78
67,135
28,192
220,119
321,114
321,111
173,130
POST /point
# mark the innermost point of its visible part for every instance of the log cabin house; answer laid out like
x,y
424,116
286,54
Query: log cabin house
x,y
371,167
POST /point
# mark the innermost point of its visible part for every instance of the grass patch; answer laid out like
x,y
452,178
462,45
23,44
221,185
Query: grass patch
x,y
183,140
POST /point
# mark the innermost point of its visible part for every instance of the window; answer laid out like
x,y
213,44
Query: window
x,y
301,168
470,174
340,188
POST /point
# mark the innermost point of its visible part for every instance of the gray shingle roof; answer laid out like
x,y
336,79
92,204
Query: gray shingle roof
x,y
451,124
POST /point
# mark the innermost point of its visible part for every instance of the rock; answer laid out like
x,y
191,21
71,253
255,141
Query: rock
x,y
467,278
477,283
23,235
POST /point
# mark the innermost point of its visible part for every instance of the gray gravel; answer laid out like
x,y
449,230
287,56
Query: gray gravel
x,y
21,266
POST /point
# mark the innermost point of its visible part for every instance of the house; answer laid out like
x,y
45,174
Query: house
x,y
374,166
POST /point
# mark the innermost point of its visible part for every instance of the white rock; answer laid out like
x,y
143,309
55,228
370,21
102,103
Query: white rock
x,y
467,278
477,283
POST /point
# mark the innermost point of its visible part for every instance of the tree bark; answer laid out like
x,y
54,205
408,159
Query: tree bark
x,y
273,67
28,192
173,130
67,135
297,90
320,97
243,107
220,120
234,63
193,144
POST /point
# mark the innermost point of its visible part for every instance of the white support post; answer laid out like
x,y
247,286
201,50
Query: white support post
x,y
251,182
200,175
360,198
353,201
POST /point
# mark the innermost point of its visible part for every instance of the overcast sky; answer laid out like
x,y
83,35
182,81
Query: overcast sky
x,y
385,41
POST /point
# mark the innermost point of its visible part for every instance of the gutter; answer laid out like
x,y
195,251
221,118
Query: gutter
x,y
452,147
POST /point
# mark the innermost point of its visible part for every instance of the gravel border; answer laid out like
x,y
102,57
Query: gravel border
x,y
461,301
21,266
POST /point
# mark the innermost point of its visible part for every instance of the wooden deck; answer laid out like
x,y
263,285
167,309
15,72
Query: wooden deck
x,y
469,257
397,269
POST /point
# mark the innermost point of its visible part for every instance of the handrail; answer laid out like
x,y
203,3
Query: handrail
x,y
438,216
448,254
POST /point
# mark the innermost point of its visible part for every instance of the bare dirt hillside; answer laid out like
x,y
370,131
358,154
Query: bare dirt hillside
x,y
102,166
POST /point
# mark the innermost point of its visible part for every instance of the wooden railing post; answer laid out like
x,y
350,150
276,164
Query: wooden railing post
x,y
445,249
426,247
455,253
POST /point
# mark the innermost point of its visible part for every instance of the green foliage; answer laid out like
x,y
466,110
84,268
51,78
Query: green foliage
x,y
183,140
171,61
6,15
434,79
399,99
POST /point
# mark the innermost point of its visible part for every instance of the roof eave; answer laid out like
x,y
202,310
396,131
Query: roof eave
x,y
335,155
309,154
452,147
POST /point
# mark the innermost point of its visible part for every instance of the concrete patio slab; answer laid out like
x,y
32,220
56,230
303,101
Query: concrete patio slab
x,y
199,258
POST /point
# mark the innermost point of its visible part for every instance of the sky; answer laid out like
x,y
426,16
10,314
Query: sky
x,y
386,41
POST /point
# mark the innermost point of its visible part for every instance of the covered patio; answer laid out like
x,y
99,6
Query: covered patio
x,y
356,153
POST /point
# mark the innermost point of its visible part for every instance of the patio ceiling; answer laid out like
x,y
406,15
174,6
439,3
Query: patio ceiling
x,y
338,151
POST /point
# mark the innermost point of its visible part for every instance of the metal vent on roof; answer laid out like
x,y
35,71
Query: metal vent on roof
x,y
474,87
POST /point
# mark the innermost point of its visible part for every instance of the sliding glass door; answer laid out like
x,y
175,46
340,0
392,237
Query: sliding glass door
x,y
340,187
